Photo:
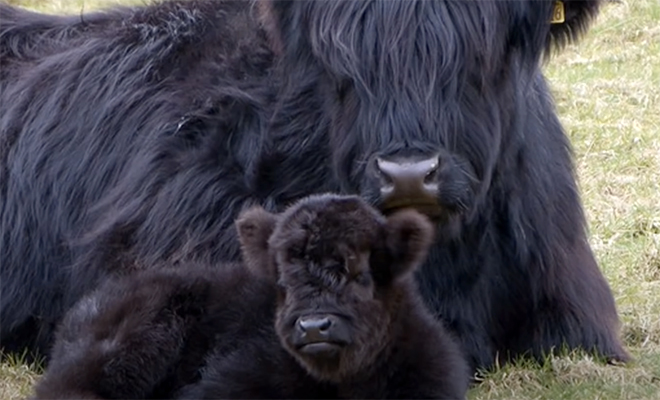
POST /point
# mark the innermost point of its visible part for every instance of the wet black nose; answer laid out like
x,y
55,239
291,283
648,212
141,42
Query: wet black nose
x,y
316,328
408,182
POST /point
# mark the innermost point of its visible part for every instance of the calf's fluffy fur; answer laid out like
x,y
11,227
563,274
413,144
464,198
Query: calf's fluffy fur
x,y
242,330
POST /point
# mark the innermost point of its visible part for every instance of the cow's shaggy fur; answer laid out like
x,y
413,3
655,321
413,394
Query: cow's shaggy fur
x,y
135,137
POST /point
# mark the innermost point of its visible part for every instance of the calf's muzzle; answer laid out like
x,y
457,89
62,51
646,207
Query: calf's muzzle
x,y
317,334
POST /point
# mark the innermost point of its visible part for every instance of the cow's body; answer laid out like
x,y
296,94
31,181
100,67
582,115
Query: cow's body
x,y
136,137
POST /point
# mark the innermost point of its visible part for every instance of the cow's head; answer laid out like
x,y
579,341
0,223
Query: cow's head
x,y
417,96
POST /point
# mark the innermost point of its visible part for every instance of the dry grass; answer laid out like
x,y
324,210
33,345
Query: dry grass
x,y
70,6
17,378
608,95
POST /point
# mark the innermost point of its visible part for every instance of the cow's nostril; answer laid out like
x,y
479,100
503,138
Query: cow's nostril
x,y
384,177
408,182
404,173
432,174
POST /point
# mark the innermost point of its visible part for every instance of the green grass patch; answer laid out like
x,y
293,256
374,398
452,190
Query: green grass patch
x,y
607,89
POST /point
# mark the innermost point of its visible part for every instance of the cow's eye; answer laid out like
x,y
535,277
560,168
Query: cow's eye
x,y
281,285
343,88
295,254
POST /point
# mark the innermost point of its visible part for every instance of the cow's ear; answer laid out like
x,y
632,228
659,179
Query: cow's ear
x,y
541,26
254,226
408,237
570,19
280,20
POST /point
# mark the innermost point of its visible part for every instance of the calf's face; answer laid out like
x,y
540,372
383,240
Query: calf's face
x,y
337,264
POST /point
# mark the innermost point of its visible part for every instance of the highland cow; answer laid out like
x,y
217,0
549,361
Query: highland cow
x,y
330,309
137,140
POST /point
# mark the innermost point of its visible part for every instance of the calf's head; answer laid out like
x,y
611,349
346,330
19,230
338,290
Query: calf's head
x,y
416,97
342,270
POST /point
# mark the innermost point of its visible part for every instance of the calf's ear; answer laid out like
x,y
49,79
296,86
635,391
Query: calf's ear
x,y
281,21
254,226
409,235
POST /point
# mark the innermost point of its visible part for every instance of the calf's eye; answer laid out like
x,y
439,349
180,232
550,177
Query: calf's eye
x,y
363,279
335,266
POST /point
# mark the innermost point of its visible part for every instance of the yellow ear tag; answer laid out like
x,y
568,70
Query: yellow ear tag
x,y
558,16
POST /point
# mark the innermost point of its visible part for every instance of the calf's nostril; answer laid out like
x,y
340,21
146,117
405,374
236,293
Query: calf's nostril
x,y
314,325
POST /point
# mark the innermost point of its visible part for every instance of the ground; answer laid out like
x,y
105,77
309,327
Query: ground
x,y
607,89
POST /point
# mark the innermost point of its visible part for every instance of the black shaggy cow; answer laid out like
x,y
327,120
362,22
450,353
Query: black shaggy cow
x,y
134,138
331,310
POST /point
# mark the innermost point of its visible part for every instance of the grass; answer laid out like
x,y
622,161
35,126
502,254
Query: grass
x,y
607,89
608,95
17,377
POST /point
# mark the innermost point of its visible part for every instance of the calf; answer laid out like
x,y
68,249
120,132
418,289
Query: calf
x,y
324,306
